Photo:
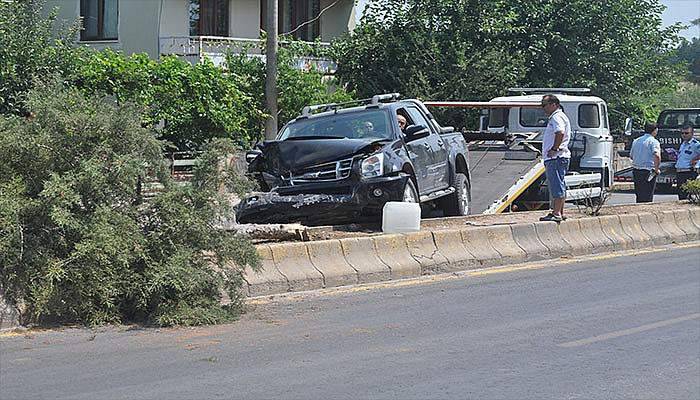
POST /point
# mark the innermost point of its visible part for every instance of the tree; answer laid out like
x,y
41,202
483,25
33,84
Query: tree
x,y
77,241
297,88
689,53
31,46
450,49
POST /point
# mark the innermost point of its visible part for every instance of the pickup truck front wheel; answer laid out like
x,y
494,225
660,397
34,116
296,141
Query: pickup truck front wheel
x,y
410,194
457,203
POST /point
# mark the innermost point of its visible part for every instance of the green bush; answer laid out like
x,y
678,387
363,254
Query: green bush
x,y
78,243
32,45
200,102
196,102
693,189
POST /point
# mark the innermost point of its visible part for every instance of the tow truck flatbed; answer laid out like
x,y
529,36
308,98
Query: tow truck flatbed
x,y
495,172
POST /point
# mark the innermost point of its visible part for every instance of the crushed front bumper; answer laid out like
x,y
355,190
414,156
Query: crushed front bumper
x,y
320,204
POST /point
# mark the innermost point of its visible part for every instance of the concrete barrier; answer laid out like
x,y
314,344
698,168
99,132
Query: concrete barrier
x,y
686,224
695,216
267,280
449,244
292,260
362,256
525,236
327,257
477,243
612,228
650,225
571,233
331,263
393,251
593,231
422,248
552,238
501,239
633,228
667,222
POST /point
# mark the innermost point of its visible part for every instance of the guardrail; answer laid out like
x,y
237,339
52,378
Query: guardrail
x,y
195,48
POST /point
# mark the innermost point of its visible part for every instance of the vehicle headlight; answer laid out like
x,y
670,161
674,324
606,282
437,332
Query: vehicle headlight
x,y
373,166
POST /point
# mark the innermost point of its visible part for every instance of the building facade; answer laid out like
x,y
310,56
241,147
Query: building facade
x,y
194,28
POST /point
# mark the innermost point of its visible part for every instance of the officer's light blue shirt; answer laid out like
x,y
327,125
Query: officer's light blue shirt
x,y
643,150
688,151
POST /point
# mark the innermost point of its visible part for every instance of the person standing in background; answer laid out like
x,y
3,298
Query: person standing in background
x,y
646,157
555,149
688,157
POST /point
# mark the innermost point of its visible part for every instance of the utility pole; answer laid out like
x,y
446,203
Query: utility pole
x,y
271,70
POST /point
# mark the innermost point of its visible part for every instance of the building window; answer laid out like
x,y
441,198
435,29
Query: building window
x,y
209,17
100,19
293,14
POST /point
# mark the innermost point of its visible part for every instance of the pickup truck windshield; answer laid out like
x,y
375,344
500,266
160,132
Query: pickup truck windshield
x,y
370,124
676,119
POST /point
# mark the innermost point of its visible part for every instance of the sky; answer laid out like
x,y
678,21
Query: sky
x,y
682,11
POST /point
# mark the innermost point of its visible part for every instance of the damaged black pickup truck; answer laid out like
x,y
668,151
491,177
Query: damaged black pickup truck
x,y
342,163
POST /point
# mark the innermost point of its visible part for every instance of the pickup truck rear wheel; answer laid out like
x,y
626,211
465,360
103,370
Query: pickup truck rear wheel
x,y
457,203
410,195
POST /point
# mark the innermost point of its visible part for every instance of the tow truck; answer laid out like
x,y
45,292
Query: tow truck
x,y
505,153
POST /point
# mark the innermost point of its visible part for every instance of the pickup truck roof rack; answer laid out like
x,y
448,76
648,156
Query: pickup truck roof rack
x,y
373,101
577,91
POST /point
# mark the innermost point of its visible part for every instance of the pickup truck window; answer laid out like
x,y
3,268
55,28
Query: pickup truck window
x,y
533,117
417,117
676,119
588,116
373,124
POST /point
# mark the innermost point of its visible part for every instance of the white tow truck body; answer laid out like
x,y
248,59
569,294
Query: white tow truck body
x,y
591,142
507,167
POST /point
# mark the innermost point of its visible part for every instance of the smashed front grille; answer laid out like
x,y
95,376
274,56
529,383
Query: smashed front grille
x,y
327,172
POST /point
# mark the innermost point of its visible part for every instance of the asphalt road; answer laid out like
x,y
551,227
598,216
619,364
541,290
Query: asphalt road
x,y
617,327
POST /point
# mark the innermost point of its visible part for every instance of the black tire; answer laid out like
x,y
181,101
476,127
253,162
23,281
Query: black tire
x,y
410,190
457,203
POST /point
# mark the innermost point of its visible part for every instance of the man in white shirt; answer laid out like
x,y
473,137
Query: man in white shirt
x,y
555,150
646,157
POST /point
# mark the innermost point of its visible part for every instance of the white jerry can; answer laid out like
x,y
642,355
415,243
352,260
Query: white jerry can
x,y
400,217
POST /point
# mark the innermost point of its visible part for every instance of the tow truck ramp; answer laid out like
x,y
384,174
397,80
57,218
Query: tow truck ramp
x,y
502,175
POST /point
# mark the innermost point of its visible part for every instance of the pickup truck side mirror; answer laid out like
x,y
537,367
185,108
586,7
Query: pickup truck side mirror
x,y
251,155
628,127
415,132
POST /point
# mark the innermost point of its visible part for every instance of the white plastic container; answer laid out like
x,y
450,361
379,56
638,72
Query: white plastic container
x,y
400,217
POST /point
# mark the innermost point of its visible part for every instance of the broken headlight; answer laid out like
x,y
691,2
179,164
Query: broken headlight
x,y
373,166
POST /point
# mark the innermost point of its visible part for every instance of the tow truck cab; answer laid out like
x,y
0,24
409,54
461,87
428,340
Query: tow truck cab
x,y
591,143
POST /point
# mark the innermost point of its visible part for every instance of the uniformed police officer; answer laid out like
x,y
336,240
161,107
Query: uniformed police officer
x,y
688,158
646,157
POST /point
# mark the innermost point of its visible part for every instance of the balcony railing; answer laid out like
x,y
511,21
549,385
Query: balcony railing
x,y
194,48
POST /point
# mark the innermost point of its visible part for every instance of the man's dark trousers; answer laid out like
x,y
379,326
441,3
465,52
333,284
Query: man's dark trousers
x,y
681,178
643,188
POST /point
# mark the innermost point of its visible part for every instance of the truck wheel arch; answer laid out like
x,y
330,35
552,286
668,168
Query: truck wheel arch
x,y
408,170
461,167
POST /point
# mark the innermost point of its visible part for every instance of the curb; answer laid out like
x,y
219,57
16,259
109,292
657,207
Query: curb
x,y
292,267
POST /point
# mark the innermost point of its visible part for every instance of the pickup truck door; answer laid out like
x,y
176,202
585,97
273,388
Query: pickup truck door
x,y
437,167
420,153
